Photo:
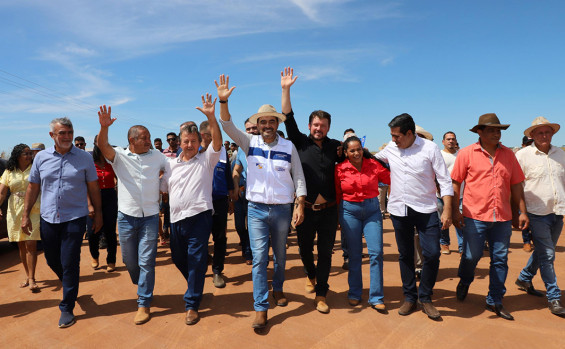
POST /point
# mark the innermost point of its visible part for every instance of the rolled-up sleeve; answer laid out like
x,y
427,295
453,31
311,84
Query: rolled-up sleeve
x,y
239,137
297,173
442,174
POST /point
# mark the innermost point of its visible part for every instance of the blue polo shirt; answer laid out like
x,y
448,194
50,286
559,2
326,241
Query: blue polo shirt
x,y
63,181
241,159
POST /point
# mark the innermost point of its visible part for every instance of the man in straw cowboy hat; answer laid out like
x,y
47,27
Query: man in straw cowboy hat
x,y
274,176
492,177
544,190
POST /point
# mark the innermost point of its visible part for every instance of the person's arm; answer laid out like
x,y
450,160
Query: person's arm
x,y
445,185
517,191
300,186
457,217
106,120
96,201
3,193
287,81
32,193
209,109
236,173
224,92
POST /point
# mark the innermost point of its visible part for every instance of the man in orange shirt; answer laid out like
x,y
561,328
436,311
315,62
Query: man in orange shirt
x,y
492,176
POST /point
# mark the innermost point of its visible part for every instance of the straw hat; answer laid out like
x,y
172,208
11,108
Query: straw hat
x,y
426,134
491,120
541,121
266,110
37,146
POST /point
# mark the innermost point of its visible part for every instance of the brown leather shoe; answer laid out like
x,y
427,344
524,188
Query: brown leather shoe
x,y
353,302
94,263
310,285
407,308
380,307
528,247
445,249
280,298
260,320
143,315
111,267
321,305
192,317
429,309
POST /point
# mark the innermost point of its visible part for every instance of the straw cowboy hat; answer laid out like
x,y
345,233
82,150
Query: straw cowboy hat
x,y
541,121
426,134
266,110
37,146
491,120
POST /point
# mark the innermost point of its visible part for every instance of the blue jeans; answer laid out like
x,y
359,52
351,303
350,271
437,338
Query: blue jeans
x,y
427,225
61,246
264,221
189,251
545,233
358,219
498,235
138,239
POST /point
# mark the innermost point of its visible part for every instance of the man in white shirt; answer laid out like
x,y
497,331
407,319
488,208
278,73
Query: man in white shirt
x,y
544,191
449,154
274,177
415,163
188,180
137,168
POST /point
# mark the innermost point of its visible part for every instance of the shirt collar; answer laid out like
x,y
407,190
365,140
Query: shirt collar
x,y
73,150
130,153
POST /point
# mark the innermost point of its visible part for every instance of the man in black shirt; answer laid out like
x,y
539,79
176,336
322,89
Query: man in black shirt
x,y
318,155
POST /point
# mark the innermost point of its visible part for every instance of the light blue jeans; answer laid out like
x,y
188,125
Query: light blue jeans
x,y
266,221
545,233
138,240
498,235
358,219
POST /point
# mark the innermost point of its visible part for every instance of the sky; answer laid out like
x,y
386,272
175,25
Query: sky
x,y
443,62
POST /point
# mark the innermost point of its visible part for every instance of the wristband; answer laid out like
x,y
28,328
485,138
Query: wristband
x,y
223,101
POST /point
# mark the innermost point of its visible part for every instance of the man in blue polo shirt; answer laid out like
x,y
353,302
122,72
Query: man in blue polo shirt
x,y
65,175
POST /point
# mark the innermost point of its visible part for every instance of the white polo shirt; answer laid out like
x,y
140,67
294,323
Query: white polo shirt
x,y
544,187
189,184
138,181
413,172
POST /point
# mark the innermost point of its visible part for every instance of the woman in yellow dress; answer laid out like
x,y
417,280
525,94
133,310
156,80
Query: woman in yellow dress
x,y
15,178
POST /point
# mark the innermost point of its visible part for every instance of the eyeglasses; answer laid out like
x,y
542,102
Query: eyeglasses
x,y
27,153
171,139
79,144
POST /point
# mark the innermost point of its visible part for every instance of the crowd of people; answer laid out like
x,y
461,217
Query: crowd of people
x,y
272,184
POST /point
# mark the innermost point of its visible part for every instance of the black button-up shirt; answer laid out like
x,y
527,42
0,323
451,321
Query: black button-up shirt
x,y
317,163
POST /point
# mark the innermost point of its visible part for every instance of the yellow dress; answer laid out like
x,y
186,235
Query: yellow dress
x,y
17,181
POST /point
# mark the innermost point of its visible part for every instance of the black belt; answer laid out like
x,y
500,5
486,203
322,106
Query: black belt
x,y
319,207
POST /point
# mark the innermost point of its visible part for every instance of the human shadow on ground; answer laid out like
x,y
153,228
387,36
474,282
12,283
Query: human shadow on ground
x,y
24,308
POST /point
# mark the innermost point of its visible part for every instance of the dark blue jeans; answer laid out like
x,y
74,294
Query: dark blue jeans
x,y
498,235
545,233
189,251
240,216
61,245
427,225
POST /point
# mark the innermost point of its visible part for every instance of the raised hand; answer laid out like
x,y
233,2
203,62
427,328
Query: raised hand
x,y
287,79
224,91
105,116
208,107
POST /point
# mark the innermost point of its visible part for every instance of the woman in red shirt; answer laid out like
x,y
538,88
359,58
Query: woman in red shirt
x,y
107,182
357,189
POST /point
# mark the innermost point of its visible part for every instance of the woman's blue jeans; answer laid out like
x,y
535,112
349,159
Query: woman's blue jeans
x,y
358,219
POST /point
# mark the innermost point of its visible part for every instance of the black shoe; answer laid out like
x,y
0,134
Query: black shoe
x,y
418,273
499,310
67,319
345,265
556,308
461,291
528,287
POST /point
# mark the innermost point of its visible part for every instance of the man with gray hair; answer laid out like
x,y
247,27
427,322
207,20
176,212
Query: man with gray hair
x,y
65,175
137,168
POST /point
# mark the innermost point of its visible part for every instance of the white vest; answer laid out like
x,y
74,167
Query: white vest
x,y
268,172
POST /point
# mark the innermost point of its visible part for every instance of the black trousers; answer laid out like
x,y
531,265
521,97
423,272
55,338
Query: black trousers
x,y
109,216
219,226
323,224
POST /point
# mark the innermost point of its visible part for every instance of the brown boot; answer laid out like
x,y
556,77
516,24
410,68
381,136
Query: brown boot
x,y
280,298
310,285
192,317
94,263
143,315
260,319
321,305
